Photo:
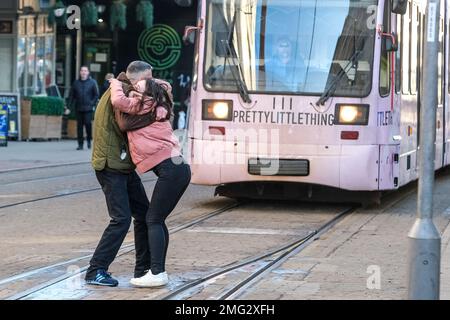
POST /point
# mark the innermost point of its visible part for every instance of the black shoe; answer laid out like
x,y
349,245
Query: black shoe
x,y
89,144
80,148
102,278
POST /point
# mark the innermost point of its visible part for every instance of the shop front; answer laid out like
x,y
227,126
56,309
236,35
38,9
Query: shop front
x,y
110,44
27,56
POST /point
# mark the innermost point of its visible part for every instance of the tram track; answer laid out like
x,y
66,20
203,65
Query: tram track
x,y
260,265
22,176
268,261
125,249
47,179
59,195
56,165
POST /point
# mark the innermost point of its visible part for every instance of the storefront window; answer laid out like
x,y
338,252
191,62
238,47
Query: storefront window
x,y
44,4
31,58
6,59
48,60
21,53
40,65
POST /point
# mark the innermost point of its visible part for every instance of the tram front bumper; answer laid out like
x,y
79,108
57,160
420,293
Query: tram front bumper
x,y
350,167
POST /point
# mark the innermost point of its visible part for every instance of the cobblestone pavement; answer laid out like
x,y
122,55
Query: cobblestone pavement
x,y
336,266
230,237
37,234
364,256
36,154
340,265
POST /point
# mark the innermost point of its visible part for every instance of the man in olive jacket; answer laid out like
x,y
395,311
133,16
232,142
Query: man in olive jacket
x,y
123,189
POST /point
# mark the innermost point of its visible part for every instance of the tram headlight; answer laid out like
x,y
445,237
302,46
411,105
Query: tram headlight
x,y
217,110
350,114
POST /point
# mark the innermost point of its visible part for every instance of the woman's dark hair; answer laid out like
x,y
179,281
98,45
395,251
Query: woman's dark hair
x,y
159,94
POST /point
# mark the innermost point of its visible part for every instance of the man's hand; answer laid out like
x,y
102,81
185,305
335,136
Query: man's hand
x,y
161,113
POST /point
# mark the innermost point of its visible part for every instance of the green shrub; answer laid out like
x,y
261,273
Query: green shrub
x,y
50,106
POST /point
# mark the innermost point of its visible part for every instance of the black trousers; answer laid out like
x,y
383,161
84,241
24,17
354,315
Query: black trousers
x,y
125,198
173,178
84,119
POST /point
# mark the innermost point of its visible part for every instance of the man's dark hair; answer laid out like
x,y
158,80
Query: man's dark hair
x,y
138,66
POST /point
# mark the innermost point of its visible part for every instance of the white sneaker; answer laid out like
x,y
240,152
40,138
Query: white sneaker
x,y
151,280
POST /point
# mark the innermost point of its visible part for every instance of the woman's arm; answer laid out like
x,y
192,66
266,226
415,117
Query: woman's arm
x,y
125,104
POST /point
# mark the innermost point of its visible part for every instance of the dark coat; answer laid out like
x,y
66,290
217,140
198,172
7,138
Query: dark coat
x,y
109,142
84,94
104,87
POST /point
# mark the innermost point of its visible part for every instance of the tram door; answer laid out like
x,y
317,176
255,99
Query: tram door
x,y
445,111
440,125
420,48
445,88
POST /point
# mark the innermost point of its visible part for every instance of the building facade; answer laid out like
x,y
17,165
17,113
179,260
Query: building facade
x,y
38,57
105,49
27,54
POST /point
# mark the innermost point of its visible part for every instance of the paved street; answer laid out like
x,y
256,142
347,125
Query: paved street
x,y
52,218
40,154
307,130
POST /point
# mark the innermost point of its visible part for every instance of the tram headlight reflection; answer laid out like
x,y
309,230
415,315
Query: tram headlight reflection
x,y
220,110
352,114
217,110
348,114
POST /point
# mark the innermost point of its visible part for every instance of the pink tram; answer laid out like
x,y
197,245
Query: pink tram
x,y
302,98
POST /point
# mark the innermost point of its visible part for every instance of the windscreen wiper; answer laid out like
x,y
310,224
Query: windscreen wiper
x,y
333,84
230,50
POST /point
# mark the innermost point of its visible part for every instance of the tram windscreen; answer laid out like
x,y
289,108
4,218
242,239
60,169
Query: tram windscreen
x,y
290,46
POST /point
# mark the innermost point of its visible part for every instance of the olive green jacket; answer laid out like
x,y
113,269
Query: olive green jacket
x,y
110,148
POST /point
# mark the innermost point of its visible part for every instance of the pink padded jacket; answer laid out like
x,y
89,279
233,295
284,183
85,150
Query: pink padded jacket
x,y
149,145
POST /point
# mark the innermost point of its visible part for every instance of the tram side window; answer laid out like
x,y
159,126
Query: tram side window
x,y
398,58
405,51
440,62
384,63
422,35
414,47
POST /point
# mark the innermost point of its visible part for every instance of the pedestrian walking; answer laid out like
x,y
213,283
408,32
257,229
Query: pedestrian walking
x,y
84,95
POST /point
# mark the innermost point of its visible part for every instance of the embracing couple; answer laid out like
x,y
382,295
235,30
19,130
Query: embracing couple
x,y
132,130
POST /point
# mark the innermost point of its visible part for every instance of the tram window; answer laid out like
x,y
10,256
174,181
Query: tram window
x,y
405,51
414,47
421,46
289,47
398,58
384,58
440,62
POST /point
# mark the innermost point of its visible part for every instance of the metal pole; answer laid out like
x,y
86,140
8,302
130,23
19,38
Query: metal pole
x,y
79,45
424,252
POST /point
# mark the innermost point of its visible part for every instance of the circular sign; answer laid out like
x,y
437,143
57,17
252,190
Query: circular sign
x,y
160,46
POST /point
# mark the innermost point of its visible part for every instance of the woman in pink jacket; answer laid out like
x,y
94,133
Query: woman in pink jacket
x,y
154,148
